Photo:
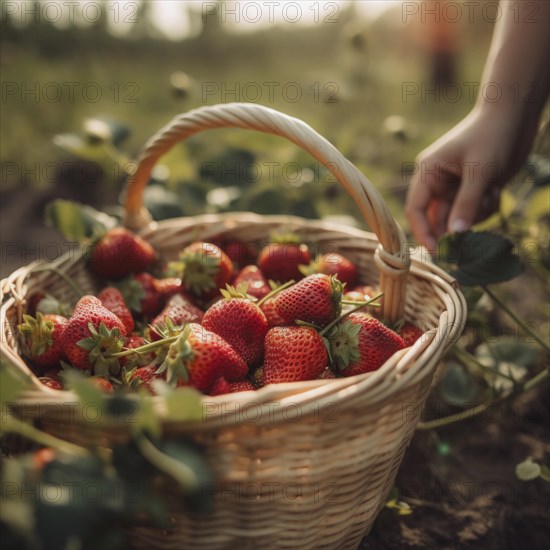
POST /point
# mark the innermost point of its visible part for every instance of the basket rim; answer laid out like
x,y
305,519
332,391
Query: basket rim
x,y
405,368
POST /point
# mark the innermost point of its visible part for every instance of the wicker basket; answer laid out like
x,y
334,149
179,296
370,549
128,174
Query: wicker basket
x,y
300,465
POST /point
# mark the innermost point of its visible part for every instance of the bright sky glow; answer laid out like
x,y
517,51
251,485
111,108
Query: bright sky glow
x,y
177,19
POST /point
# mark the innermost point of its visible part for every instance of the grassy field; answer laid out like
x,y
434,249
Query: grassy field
x,y
345,79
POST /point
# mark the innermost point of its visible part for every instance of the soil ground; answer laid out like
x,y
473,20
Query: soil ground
x,y
468,497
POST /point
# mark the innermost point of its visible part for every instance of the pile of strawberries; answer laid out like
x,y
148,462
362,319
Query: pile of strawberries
x,y
222,318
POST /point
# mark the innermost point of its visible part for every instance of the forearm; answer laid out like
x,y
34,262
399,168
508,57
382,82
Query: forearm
x,y
516,76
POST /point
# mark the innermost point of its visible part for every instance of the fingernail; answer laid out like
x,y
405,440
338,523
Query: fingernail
x,y
458,226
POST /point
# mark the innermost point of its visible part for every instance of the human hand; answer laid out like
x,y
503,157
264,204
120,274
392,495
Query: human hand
x,y
458,178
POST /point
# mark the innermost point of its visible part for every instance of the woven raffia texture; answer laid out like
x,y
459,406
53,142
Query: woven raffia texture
x,y
302,465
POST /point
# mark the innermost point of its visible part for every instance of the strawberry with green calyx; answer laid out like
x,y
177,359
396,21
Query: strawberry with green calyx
x,y
315,299
409,332
199,357
221,387
119,253
204,268
333,263
112,299
142,377
292,354
281,259
360,343
92,335
240,322
142,296
177,312
258,285
42,338
135,360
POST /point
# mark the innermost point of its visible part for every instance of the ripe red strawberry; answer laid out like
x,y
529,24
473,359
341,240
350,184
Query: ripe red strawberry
x,y
333,264
292,354
240,322
204,268
360,343
221,386
112,299
141,295
143,376
92,334
257,283
119,253
102,383
281,261
410,333
315,299
178,311
167,287
42,338
240,253
269,307
199,357
51,383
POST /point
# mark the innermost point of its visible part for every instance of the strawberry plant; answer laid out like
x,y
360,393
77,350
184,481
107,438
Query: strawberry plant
x,y
501,352
129,480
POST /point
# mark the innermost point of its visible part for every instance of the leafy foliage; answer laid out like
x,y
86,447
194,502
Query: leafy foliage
x,y
480,258
83,496
78,222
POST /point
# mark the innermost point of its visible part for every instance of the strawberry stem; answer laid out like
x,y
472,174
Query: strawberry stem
x,y
145,348
474,411
16,426
354,302
274,292
165,463
528,330
357,305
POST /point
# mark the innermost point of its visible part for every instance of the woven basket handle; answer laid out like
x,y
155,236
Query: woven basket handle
x,y
392,257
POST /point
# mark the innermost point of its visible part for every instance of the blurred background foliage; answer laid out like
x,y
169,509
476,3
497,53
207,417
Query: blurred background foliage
x,y
80,97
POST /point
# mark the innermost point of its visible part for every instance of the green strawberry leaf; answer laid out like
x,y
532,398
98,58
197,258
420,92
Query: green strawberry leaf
x,y
545,472
481,258
527,470
12,383
78,222
88,149
538,167
457,386
100,130
182,404
87,393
